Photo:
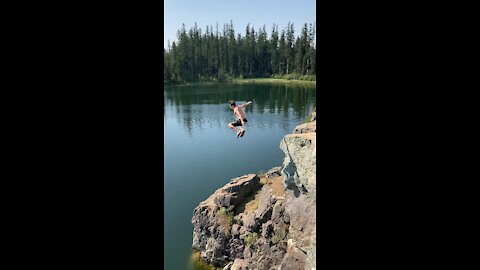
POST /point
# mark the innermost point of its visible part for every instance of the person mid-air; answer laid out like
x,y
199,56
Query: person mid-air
x,y
238,111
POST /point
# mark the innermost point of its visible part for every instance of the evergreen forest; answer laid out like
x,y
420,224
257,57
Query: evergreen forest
x,y
223,55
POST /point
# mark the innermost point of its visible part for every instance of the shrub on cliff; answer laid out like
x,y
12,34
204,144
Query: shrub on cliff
x,y
251,238
225,217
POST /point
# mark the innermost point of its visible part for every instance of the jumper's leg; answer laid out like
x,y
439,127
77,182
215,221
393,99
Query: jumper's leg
x,y
230,125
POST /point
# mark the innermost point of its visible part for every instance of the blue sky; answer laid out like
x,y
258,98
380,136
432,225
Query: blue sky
x,y
241,12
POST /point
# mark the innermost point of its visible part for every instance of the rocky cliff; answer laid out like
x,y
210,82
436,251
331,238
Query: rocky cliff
x,y
264,221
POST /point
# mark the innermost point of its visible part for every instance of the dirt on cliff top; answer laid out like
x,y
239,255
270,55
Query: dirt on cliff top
x,y
276,184
309,136
273,183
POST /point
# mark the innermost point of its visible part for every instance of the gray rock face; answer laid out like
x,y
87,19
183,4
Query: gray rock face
x,y
299,170
299,165
311,260
239,264
264,210
236,247
301,211
293,260
263,255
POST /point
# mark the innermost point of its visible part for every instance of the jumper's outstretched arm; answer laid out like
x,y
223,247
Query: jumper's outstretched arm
x,y
246,104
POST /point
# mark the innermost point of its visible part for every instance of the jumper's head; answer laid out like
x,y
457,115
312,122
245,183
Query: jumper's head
x,y
232,104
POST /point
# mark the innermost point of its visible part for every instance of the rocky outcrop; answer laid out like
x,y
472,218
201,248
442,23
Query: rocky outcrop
x,y
306,128
302,230
264,222
299,171
274,172
212,220
299,165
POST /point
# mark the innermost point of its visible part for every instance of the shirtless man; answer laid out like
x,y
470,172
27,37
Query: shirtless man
x,y
238,111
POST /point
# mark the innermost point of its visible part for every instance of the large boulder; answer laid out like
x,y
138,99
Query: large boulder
x,y
299,165
212,220
274,172
264,211
236,190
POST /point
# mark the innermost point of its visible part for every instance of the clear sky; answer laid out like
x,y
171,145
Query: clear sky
x,y
241,12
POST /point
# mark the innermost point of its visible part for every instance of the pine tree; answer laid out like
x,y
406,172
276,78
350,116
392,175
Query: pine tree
x,y
289,49
273,48
282,53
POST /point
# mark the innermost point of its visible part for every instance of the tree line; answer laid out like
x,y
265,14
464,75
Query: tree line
x,y
214,55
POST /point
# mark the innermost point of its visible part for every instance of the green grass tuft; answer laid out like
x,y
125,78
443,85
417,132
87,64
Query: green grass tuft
x,y
226,216
251,238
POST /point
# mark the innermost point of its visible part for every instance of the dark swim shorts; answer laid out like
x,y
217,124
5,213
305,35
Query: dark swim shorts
x,y
239,123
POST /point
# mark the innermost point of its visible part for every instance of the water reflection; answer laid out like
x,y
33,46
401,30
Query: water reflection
x,y
206,106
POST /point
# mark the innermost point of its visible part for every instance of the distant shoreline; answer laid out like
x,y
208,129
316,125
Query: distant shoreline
x,y
270,80
251,80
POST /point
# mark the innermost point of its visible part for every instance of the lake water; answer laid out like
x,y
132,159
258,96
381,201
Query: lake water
x,y
202,154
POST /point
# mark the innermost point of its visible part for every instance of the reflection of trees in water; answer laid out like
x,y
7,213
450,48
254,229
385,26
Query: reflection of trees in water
x,y
191,123
187,123
190,116
283,99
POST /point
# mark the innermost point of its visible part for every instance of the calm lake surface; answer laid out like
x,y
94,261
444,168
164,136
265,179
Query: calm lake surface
x,y
202,154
